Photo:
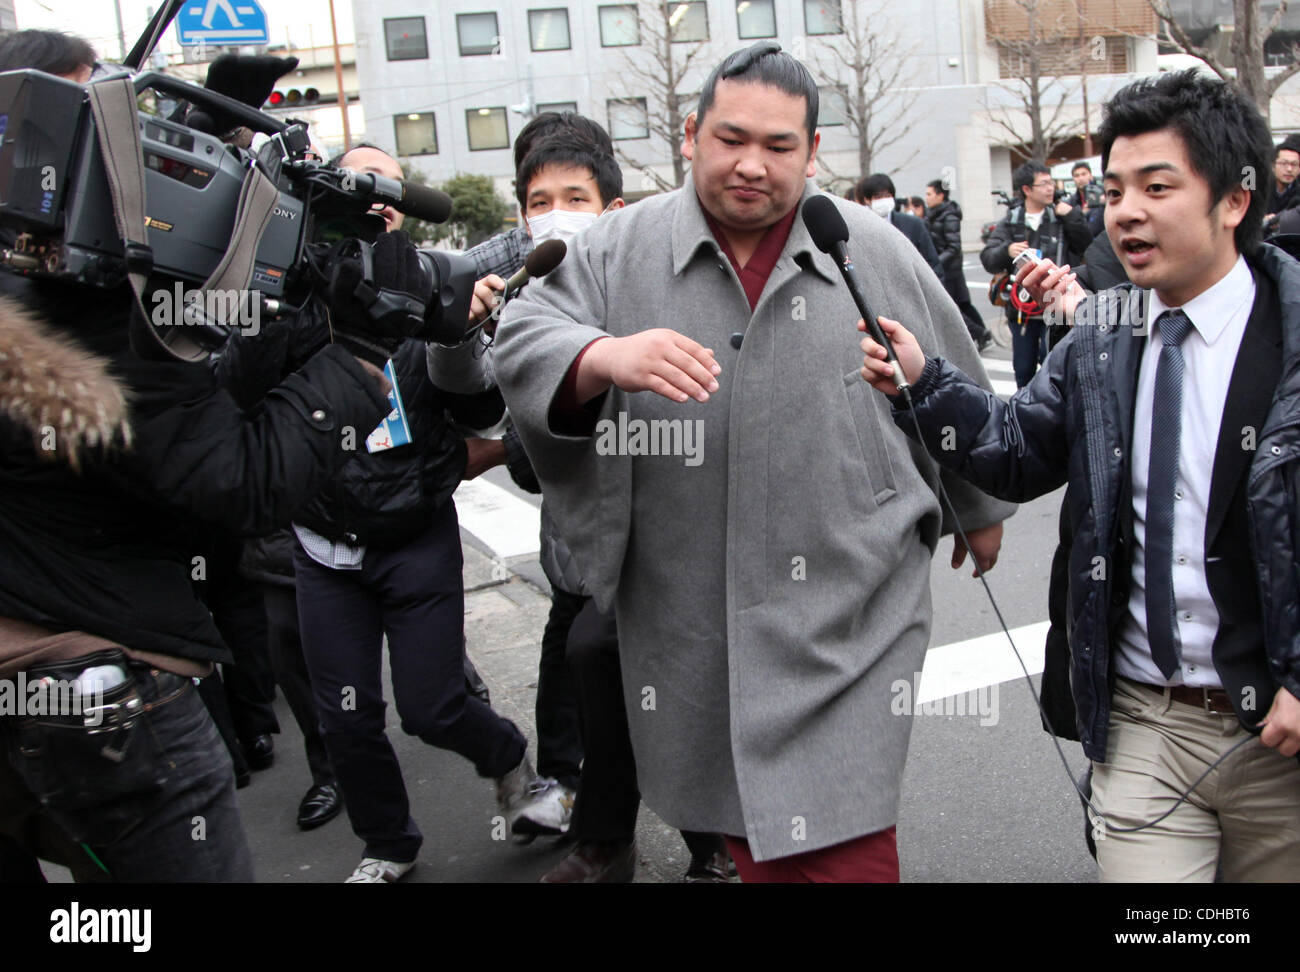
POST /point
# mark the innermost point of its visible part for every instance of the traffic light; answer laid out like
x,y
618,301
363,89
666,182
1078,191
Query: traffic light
x,y
293,98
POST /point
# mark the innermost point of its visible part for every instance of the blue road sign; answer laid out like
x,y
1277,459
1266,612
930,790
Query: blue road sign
x,y
216,22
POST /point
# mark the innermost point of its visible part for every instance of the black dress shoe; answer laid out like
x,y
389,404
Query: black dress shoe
x,y
612,862
714,869
321,805
260,753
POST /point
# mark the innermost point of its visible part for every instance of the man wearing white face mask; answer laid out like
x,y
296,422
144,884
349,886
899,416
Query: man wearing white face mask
x,y
877,192
559,197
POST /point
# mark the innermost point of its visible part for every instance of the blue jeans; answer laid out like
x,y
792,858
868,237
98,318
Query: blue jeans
x,y
153,801
1028,348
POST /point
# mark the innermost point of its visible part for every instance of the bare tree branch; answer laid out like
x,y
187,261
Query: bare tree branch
x,y
656,70
1175,33
869,65
1043,58
1276,20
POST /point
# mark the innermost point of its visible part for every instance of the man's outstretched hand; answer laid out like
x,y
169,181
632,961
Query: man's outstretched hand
x,y
659,360
876,371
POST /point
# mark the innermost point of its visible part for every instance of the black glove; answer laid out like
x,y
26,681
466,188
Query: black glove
x,y
246,78
377,295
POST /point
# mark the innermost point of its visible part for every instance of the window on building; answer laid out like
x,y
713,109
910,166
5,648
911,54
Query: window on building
x,y
478,34
404,38
688,21
548,30
755,18
487,129
822,17
627,118
832,106
618,25
417,133
558,106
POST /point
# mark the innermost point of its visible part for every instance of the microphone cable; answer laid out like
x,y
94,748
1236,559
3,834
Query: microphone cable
x,y
979,572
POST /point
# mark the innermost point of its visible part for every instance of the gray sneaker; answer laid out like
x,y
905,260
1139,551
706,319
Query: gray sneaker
x,y
534,804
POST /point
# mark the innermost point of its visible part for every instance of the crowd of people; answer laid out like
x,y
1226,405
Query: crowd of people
x,y
770,595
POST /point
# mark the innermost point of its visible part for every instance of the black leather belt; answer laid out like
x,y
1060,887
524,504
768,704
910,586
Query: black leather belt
x,y
1214,701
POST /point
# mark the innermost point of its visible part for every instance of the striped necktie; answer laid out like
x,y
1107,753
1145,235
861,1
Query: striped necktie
x,y
1166,418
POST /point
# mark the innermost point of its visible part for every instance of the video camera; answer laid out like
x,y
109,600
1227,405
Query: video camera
x,y
57,215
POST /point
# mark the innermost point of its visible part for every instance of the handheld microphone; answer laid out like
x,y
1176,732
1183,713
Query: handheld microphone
x,y
539,263
829,233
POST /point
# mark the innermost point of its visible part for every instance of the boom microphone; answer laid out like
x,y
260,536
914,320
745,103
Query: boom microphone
x,y
829,233
410,198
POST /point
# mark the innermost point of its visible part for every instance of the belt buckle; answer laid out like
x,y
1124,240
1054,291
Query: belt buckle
x,y
113,716
1208,704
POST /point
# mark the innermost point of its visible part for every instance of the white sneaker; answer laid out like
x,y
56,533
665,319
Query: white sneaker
x,y
550,810
372,870
534,804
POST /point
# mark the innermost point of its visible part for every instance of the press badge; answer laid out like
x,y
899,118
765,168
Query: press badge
x,y
393,431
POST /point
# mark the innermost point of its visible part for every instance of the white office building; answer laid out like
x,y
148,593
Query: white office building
x,y
448,85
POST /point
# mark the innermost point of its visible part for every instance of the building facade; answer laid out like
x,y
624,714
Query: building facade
x,y
448,86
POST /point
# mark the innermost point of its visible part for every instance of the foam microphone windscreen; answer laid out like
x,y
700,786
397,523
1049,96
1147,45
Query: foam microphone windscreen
x,y
545,258
825,223
419,201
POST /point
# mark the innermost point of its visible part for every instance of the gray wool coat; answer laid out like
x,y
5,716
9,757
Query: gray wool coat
x,y
771,579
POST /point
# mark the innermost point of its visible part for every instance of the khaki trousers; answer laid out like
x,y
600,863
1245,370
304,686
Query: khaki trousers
x,y
1244,818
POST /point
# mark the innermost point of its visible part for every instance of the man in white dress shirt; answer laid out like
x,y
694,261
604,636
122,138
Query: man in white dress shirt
x,y
1175,427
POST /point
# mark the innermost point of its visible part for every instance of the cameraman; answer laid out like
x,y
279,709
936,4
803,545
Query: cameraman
x,y
100,504
1088,197
378,554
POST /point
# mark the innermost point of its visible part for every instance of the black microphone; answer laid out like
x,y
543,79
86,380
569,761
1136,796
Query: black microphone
x,y
539,263
829,233
410,198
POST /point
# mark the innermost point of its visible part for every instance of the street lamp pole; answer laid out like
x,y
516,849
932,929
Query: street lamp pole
x,y
338,78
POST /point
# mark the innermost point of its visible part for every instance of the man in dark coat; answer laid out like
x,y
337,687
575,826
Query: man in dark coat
x,y
115,457
1284,187
1180,456
943,217
1087,198
876,192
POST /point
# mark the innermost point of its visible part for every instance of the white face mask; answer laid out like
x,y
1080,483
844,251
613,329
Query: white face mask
x,y
559,224
882,207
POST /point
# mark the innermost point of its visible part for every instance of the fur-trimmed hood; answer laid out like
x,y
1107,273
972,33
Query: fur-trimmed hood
x,y
63,394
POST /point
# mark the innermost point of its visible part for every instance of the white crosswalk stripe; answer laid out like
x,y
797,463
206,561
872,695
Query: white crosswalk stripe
x,y
964,666
508,525
1001,375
